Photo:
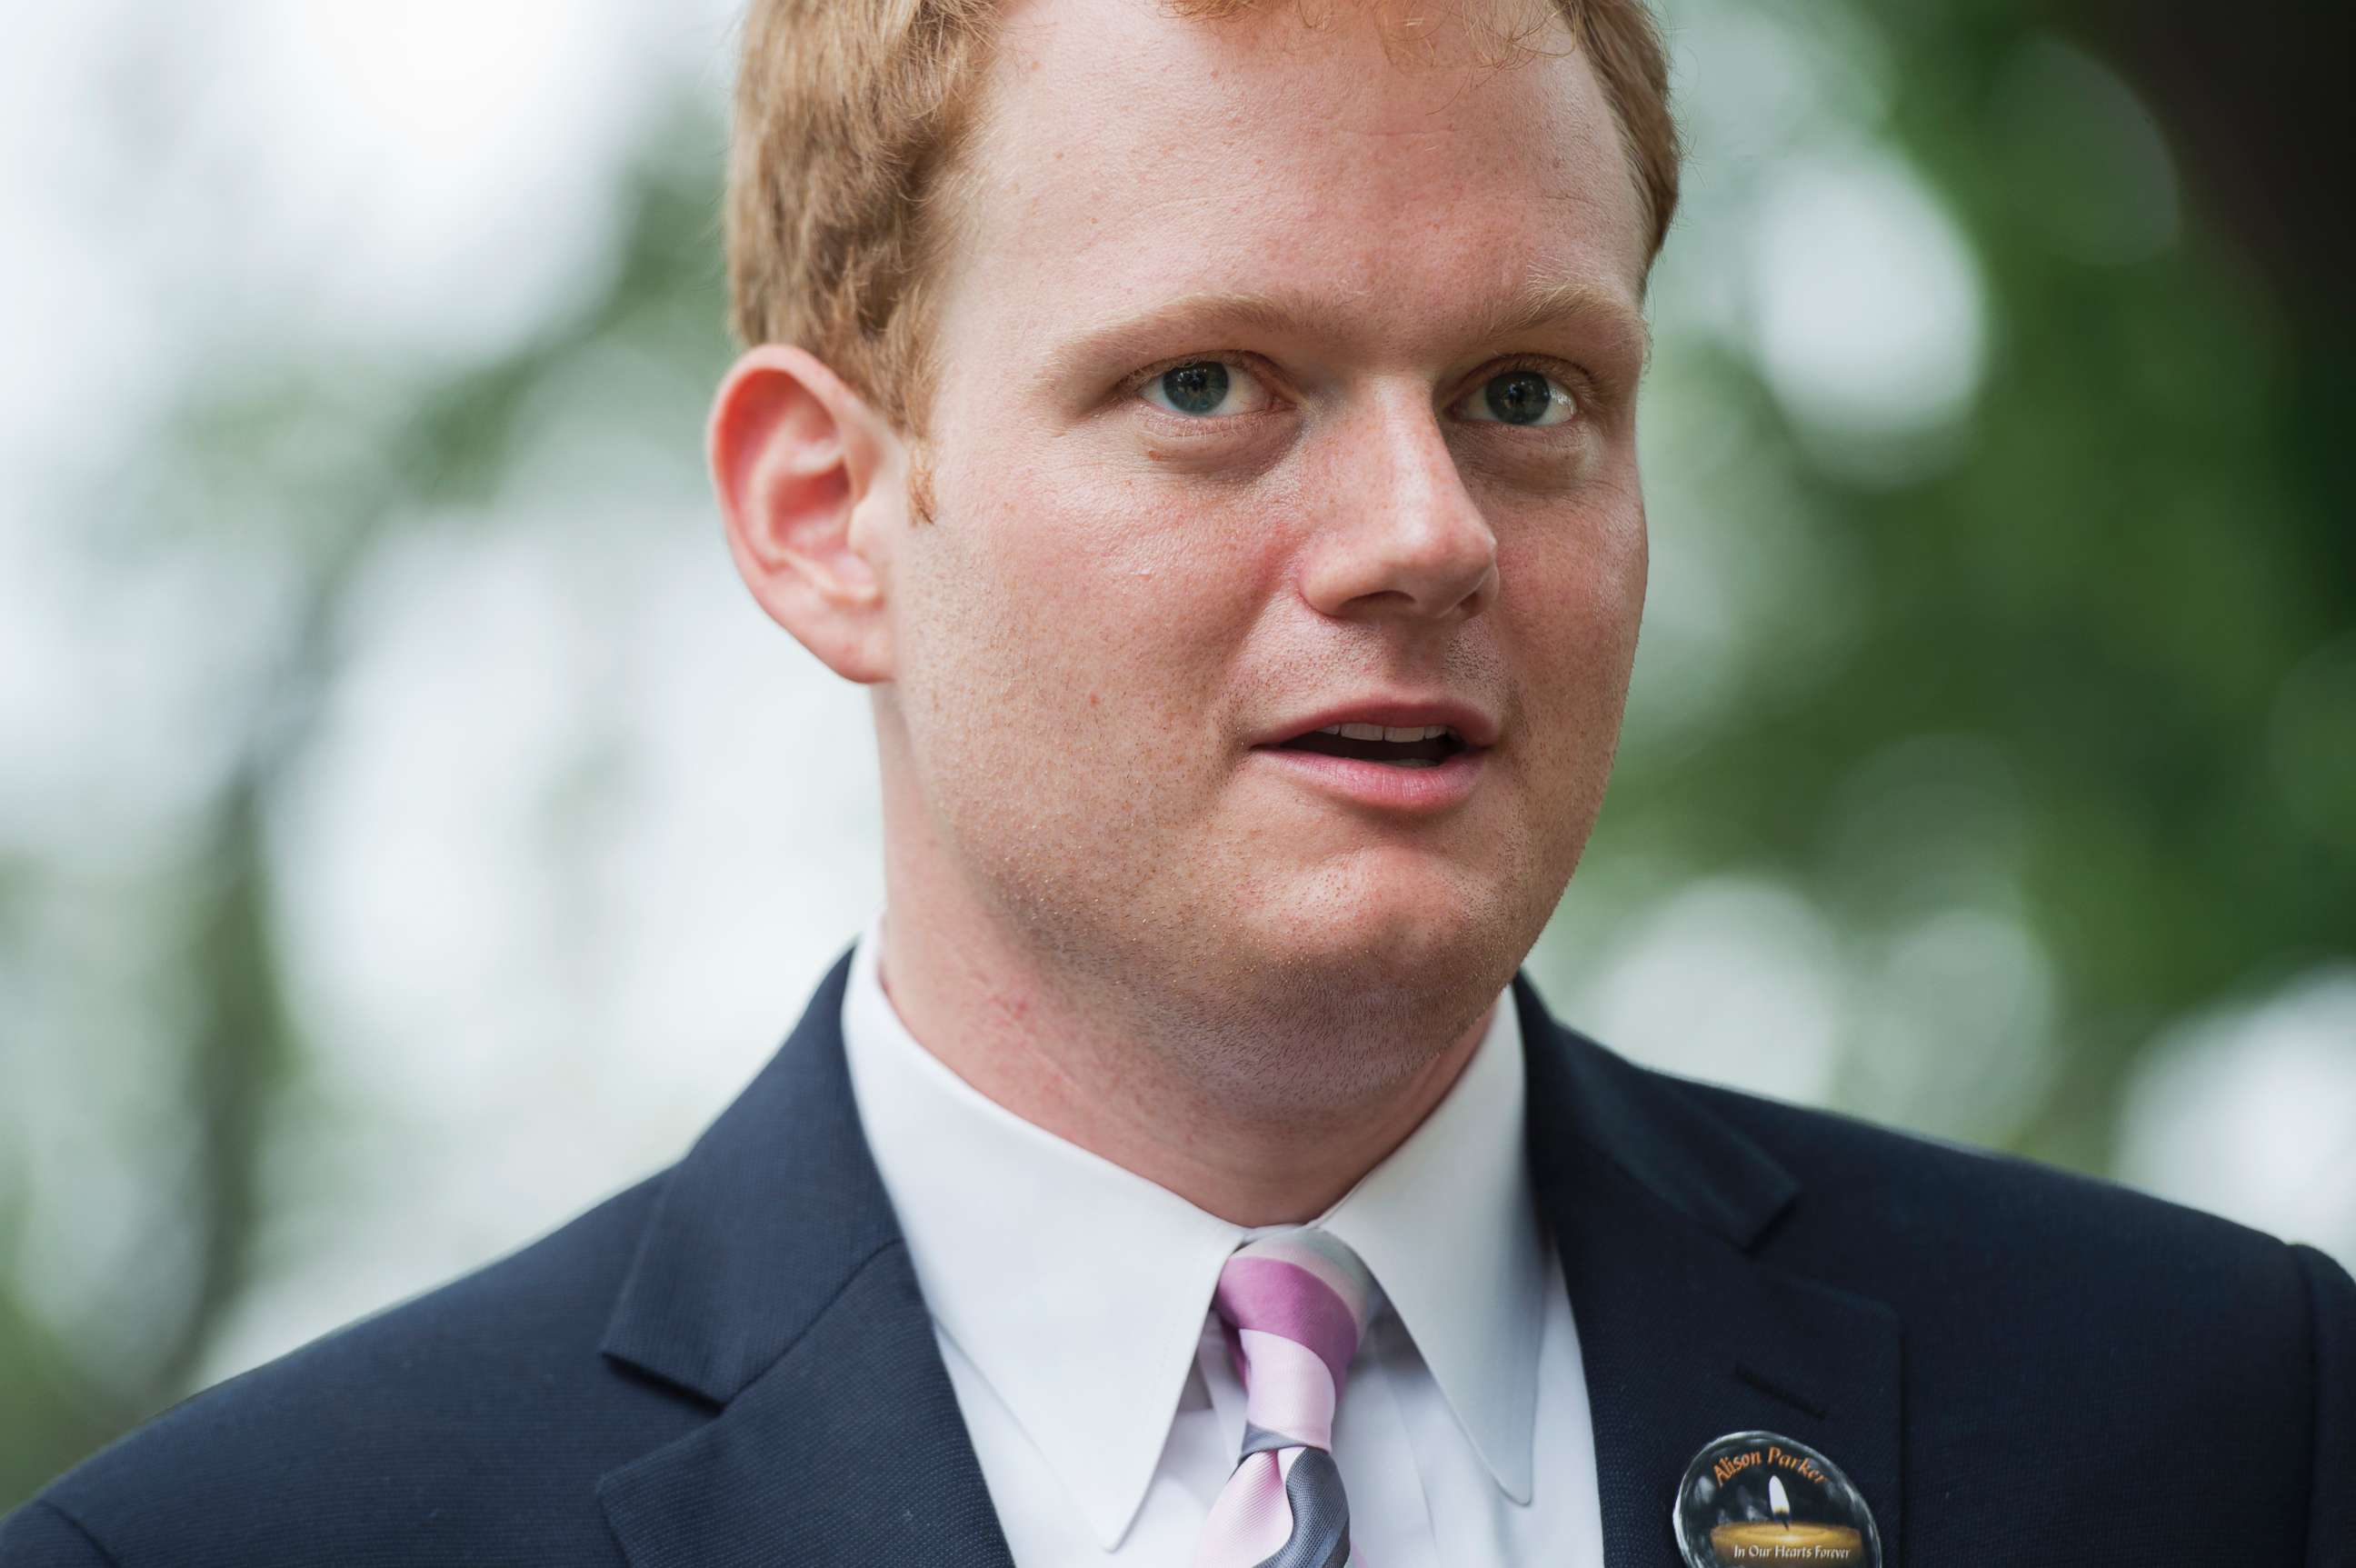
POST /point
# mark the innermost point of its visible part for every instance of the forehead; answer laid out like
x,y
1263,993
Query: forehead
x,y
1125,156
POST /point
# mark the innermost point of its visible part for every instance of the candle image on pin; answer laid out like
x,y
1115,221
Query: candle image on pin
x,y
1766,1498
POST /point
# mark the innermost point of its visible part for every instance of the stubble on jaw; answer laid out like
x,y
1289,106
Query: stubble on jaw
x,y
1163,949
1298,1041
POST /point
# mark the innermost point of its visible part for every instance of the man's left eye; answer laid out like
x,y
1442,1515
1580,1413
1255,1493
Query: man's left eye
x,y
1521,397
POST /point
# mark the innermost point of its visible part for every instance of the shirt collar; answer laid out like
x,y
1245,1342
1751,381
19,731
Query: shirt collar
x,y
1448,1226
1078,1289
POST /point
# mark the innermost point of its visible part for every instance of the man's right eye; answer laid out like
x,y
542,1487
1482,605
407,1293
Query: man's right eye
x,y
1205,389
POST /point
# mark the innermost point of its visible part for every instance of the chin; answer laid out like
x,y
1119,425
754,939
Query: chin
x,y
1404,936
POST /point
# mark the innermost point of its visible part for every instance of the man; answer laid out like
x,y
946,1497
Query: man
x,y
1211,437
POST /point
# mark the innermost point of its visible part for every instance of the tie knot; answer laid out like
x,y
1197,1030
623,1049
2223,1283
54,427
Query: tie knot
x,y
1297,1304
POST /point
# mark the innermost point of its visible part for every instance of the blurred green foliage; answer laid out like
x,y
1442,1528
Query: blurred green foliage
x,y
2124,607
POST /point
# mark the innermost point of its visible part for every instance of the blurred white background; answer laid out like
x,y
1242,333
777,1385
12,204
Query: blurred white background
x,y
358,579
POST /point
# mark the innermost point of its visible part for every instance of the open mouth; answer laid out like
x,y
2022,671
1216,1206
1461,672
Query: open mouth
x,y
1433,744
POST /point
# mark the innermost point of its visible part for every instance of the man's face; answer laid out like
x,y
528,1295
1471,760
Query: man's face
x,y
1367,479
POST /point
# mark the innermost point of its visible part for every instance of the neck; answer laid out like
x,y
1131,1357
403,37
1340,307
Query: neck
x,y
1108,1078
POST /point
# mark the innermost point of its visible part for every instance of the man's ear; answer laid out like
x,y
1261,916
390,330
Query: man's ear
x,y
812,483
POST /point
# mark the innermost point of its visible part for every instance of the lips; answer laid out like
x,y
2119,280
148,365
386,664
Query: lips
x,y
1417,747
1470,726
1425,787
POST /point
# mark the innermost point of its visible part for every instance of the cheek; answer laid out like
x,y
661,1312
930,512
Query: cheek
x,y
1097,610
1125,593
1583,570
1624,558
1581,598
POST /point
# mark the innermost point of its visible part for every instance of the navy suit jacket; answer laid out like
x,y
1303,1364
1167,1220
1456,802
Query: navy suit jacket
x,y
730,1363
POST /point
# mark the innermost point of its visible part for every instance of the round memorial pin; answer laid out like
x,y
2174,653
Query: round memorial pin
x,y
1759,1498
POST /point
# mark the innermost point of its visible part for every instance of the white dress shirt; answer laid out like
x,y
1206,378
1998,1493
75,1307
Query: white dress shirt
x,y
1071,1299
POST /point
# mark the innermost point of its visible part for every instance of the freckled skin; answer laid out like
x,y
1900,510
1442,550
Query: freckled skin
x,y
1105,911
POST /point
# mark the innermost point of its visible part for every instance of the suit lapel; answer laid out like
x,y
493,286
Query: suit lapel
x,y
1662,1215
773,1283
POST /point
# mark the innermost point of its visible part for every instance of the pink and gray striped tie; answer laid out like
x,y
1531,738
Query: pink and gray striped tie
x,y
1294,1306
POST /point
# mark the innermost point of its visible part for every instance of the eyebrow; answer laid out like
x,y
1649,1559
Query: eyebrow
x,y
1544,301
1541,302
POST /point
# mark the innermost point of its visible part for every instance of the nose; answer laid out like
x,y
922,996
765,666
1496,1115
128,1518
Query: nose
x,y
1401,537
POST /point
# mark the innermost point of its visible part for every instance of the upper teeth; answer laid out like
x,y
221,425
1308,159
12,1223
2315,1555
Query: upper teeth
x,y
1381,732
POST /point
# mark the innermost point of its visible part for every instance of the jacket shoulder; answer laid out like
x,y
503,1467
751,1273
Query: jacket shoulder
x,y
2095,1325
1906,1190
479,1411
